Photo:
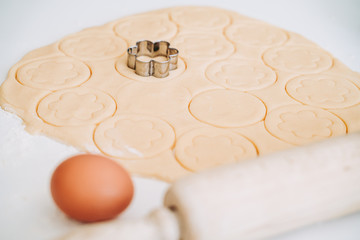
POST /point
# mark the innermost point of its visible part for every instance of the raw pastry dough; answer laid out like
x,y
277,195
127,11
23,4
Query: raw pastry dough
x,y
242,88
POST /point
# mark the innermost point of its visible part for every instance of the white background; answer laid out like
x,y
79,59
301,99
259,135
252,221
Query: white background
x,y
26,161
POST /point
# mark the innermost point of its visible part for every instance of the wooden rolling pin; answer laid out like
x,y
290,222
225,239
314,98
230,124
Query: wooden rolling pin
x,y
254,199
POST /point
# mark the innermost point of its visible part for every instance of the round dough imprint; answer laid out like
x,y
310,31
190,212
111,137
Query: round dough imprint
x,y
227,108
75,107
203,46
209,147
93,47
324,91
298,124
200,18
134,136
53,73
256,34
299,59
150,27
241,74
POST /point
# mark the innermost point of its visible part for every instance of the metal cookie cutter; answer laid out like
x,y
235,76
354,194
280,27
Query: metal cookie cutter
x,y
152,67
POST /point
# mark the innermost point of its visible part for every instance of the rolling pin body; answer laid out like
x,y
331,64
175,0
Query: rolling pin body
x,y
271,194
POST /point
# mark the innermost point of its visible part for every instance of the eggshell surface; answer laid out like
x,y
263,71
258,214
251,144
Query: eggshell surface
x,y
91,188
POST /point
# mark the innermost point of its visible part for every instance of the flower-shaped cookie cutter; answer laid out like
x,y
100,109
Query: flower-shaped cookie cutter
x,y
152,67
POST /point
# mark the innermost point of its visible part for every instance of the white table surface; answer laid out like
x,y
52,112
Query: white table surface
x,y
26,161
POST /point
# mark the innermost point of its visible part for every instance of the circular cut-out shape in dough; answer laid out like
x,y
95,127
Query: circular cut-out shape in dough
x,y
124,70
299,59
241,74
327,91
227,108
134,136
149,27
256,34
93,46
200,18
53,73
299,124
76,107
157,99
205,46
209,147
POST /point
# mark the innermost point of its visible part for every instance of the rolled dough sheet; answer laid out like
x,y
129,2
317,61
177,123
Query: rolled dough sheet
x,y
242,88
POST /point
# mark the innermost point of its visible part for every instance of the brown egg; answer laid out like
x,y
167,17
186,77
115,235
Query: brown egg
x,y
91,188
